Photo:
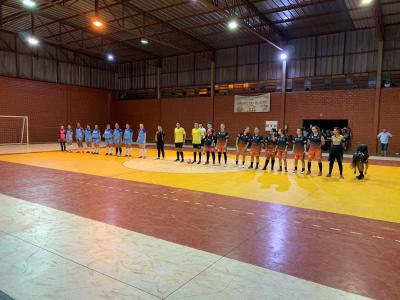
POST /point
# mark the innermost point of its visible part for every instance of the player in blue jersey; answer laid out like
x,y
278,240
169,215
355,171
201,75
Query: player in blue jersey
x,y
96,138
141,140
88,138
79,133
108,137
117,136
128,134
69,138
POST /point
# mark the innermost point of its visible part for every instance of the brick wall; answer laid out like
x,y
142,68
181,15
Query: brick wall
x,y
48,105
390,116
356,106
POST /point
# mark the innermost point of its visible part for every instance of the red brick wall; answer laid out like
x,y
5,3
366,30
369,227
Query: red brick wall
x,y
165,112
390,116
357,106
48,105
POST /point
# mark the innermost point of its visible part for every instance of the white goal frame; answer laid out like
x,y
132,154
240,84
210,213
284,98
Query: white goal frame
x,y
24,129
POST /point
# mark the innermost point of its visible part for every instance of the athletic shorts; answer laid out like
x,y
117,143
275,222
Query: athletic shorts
x,y
128,142
109,142
241,149
96,141
197,146
299,155
79,139
271,152
208,148
384,147
141,142
179,145
281,153
255,151
221,148
315,154
88,140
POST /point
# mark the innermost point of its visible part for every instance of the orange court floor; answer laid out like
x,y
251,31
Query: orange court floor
x,y
377,197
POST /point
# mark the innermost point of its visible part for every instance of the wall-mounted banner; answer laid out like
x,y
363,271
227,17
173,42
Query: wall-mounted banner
x,y
260,103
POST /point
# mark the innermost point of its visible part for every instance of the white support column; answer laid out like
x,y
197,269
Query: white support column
x,y
284,75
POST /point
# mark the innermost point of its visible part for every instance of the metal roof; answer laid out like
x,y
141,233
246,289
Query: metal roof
x,y
187,26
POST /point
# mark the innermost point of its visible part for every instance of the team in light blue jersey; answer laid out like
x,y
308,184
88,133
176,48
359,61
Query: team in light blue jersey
x,y
79,133
69,138
128,136
117,137
88,138
141,140
96,138
108,136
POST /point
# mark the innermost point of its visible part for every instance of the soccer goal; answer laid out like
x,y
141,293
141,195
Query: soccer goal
x,y
14,130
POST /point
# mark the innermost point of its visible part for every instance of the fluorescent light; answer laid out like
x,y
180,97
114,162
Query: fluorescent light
x,y
233,24
29,3
110,57
32,41
283,56
144,41
365,2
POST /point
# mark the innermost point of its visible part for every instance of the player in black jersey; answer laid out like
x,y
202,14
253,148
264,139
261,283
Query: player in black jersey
x,y
242,142
255,148
282,143
270,149
299,145
222,144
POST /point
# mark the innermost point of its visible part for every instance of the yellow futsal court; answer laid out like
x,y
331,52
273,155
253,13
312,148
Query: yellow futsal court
x,y
376,197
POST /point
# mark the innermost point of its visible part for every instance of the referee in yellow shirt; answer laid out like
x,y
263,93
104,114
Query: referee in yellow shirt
x,y
179,136
197,133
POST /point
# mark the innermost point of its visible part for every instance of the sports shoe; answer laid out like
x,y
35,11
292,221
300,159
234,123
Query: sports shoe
x,y
199,162
225,165
308,173
157,158
319,173
174,160
182,161
294,171
341,177
329,175
302,172
106,153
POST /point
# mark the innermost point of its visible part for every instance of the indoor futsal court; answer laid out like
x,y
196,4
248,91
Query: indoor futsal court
x,y
199,149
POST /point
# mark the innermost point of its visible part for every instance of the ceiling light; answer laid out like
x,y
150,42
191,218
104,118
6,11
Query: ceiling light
x,y
233,24
32,41
365,2
110,57
283,56
97,23
144,41
29,3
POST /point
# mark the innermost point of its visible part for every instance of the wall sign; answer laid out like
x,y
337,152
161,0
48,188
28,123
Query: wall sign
x,y
260,103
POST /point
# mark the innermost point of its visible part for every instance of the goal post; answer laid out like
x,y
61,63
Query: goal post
x,y
14,130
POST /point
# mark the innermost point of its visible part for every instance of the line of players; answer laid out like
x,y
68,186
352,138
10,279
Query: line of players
x,y
275,144
114,138
208,142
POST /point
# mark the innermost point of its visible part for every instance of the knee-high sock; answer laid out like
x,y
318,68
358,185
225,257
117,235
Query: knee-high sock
x,y
320,166
177,155
309,166
200,156
272,163
266,163
330,166
194,156
182,154
213,157
225,157
219,157
340,167
208,156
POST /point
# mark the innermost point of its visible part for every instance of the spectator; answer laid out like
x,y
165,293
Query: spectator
x,y
384,138
346,132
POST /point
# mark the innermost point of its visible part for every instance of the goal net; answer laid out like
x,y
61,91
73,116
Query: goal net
x,y
14,130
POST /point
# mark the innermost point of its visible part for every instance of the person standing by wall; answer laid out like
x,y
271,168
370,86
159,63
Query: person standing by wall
x,y
160,137
384,138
